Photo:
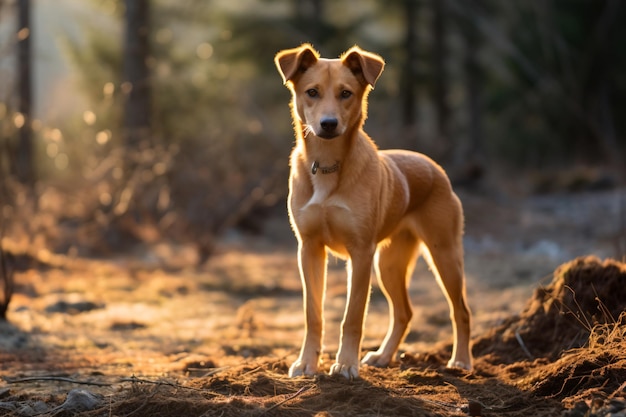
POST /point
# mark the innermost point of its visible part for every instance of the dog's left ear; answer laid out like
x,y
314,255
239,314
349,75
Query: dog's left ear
x,y
363,63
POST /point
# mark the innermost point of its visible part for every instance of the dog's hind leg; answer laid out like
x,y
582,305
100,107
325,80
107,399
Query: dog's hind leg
x,y
394,267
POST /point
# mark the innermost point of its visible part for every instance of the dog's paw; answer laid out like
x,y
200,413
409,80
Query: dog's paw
x,y
346,370
375,359
302,368
452,364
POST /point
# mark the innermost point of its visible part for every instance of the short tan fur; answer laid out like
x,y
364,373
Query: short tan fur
x,y
378,209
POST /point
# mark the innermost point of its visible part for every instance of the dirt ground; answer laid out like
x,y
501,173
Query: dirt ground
x,y
147,334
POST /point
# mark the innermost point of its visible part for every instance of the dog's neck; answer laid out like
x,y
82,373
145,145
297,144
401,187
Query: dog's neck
x,y
324,156
346,153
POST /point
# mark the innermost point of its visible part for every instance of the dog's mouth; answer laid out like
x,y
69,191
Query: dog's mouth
x,y
327,135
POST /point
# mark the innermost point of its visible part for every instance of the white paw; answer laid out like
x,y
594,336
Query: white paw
x,y
345,370
375,359
459,365
301,367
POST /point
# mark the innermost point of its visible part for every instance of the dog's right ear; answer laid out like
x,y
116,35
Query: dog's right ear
x,y
291,62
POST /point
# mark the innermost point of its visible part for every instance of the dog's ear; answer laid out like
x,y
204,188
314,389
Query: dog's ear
x,y
363,63
291,62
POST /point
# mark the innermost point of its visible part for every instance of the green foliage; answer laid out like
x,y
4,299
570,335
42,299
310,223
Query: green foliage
x,y
545,108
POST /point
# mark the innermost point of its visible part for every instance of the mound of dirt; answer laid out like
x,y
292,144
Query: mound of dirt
x,y
569,343
584,293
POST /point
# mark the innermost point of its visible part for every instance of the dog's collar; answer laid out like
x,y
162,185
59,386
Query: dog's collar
x,y
324,170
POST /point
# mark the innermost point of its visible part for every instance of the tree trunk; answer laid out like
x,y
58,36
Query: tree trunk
x,y
136,84
311,14
409,73
440,78
601,82
24,166
475,153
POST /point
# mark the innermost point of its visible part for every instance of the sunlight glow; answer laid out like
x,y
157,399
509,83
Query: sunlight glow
x,y
55,135
23,33
105,199
159,168
18,120
125,197
52,150
108,89
204,50
89,117
103,137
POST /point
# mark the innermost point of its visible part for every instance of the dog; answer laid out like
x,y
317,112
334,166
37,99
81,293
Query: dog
x,y
377,209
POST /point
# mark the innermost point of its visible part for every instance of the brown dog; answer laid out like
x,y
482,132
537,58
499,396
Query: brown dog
x,y
378,209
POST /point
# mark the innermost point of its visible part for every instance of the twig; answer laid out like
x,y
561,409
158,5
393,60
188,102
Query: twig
x,y
586,324
602,307
209,373
134,379
440,404
518,336
104,384
55,378
291,397
169,384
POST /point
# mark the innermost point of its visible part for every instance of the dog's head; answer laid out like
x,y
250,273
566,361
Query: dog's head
x,y
329,95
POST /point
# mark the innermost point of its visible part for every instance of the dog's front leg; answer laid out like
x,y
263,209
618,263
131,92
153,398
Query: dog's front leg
x,y
359,273
312,263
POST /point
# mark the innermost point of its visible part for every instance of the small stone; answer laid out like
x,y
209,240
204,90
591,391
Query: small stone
x,y
40,407
581,409
6,405
616,405
81,400
26,410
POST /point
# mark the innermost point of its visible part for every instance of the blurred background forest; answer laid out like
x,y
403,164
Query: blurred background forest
x,y
143,120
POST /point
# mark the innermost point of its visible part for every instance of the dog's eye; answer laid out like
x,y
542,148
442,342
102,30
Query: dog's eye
x,y
311,92
346,94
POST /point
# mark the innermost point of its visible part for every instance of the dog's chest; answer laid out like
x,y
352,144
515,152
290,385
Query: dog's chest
x,y
325,215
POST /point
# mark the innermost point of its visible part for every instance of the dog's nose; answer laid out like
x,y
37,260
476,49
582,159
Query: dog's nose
x,y
328,124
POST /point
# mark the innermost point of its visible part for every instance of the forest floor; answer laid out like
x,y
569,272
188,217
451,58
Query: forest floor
x,y
145,334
